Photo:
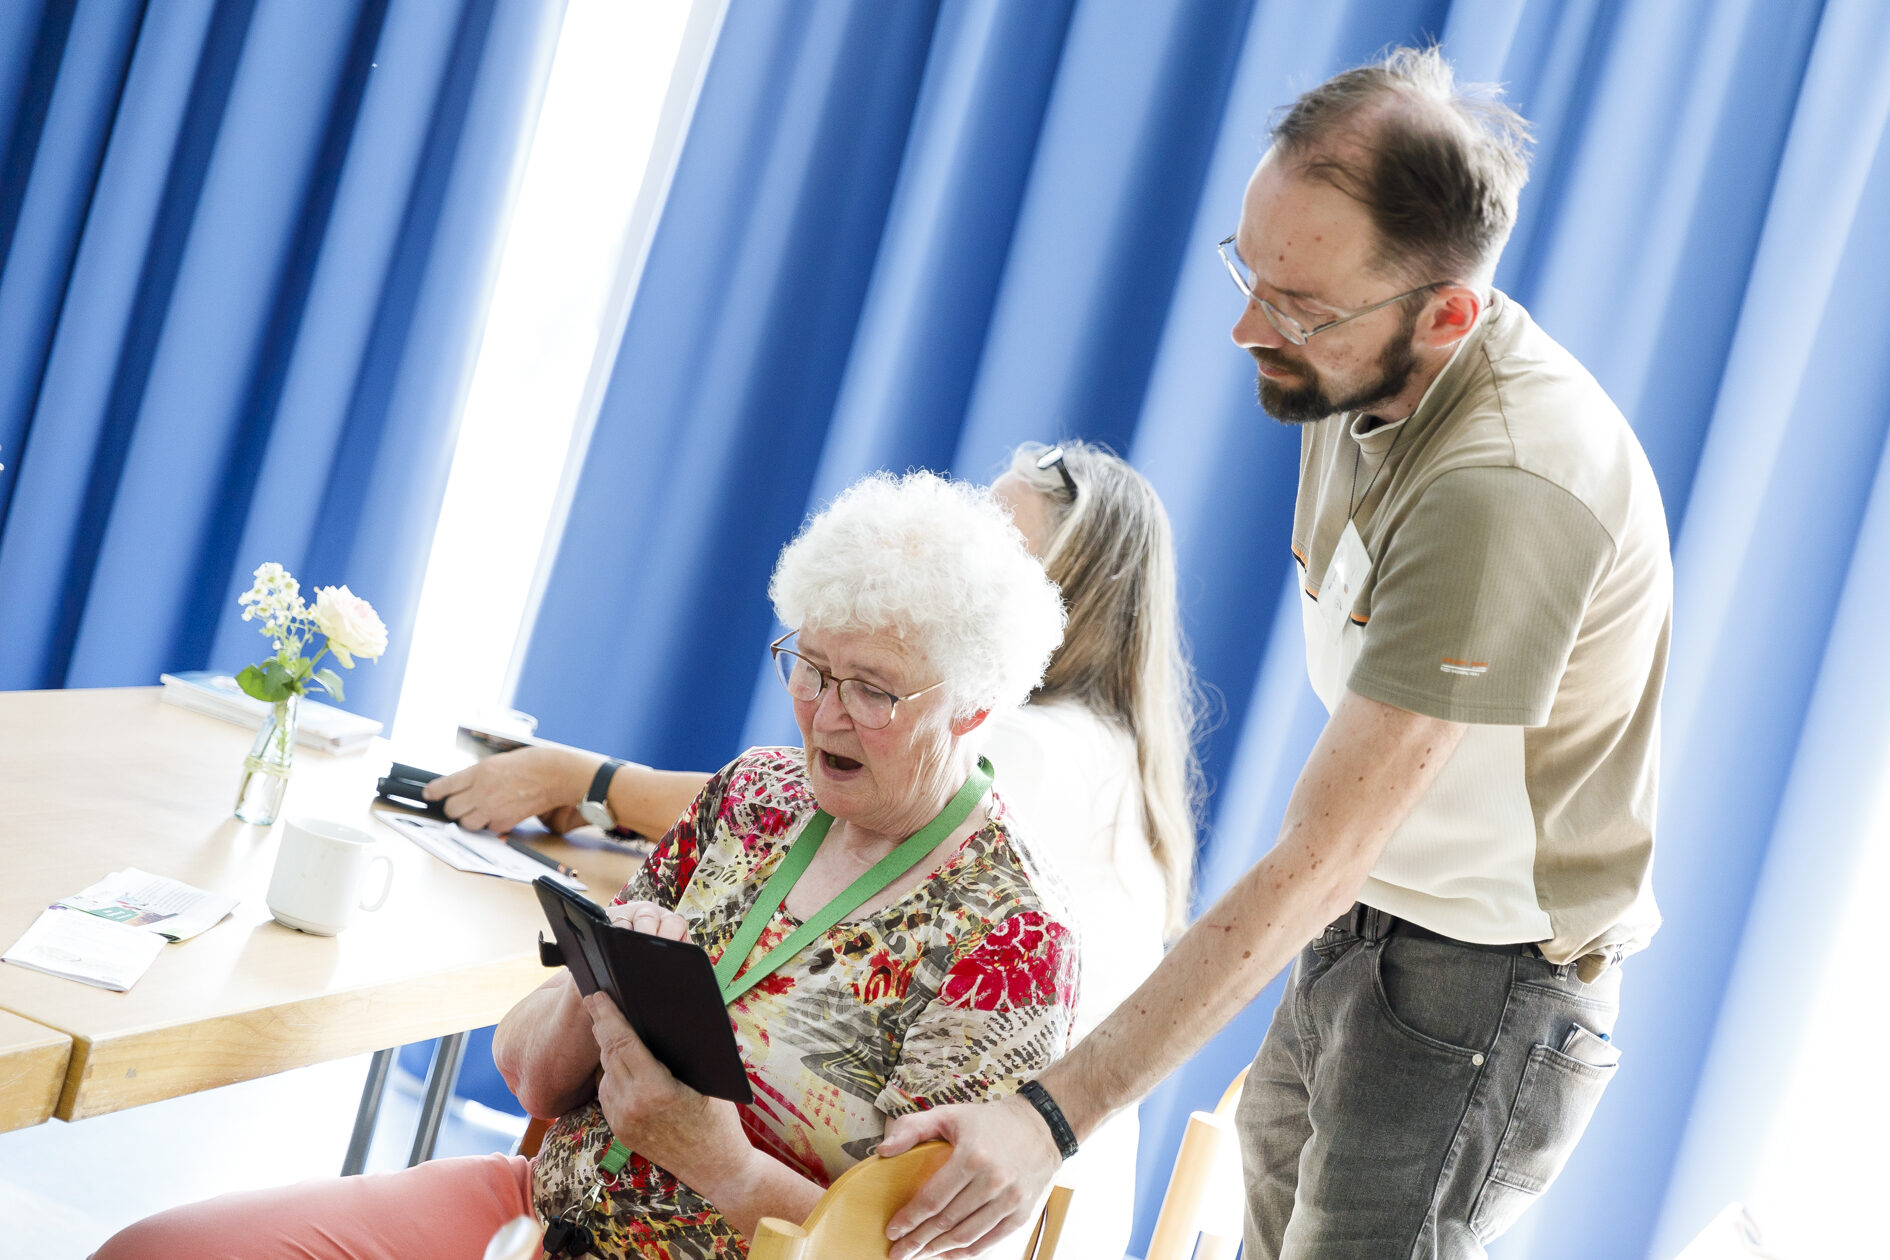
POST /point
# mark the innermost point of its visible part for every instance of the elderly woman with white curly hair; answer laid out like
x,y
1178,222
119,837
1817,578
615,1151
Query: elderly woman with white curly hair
x,y
948,977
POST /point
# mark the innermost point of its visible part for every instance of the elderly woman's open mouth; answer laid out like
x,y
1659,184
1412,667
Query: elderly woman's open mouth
x,y
834,763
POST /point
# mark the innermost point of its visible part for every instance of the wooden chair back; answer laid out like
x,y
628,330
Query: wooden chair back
x,y
849,1222
533,1138
1206,1175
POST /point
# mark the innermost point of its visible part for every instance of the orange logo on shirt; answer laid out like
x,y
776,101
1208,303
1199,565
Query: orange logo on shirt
x,y
1469,669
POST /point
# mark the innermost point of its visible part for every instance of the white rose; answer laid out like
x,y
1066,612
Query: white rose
x,y
351,624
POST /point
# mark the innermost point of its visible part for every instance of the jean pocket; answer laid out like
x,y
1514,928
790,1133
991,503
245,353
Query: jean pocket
x,y
1554,1103
1441,995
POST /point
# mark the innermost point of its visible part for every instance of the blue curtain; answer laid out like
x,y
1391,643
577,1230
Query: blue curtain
x,y
919,233
247,248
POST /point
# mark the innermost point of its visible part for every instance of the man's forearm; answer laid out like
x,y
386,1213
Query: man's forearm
x,y
1367,772
1213,971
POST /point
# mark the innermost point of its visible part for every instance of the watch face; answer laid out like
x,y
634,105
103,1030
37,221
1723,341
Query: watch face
x,y
597,814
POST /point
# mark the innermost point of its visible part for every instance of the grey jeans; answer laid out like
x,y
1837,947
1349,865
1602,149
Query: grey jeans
x,y
1412,1096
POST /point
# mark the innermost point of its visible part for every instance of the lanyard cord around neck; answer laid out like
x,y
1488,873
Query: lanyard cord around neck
x,y
861,890
856,894
1358,448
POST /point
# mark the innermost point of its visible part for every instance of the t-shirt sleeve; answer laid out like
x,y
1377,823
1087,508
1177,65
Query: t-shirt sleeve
x,y
1001,1016
1480,594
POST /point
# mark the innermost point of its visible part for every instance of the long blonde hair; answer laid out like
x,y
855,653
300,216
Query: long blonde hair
x,y
1112,554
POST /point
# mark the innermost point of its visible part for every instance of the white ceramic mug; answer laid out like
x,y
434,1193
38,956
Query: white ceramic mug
x,y
320,870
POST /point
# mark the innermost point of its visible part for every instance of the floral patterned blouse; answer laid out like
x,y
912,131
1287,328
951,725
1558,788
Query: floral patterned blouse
x,y
958,992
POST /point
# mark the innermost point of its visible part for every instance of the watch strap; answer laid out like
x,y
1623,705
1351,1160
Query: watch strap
x,y
1060,1132
600,782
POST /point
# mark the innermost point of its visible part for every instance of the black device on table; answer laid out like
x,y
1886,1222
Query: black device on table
x,y
402,786
666,990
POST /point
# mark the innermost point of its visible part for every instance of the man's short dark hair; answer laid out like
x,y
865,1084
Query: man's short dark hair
x,y
1438,166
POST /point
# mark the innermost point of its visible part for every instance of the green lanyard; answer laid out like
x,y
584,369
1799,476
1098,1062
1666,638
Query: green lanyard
x,y
856,894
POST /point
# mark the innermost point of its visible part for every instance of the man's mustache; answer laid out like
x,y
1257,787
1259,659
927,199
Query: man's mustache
x,y
1273,358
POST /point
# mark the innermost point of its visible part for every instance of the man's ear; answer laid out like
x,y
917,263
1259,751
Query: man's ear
x,y
1452,314
966,725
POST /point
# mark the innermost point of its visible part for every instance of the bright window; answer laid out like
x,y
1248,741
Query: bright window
x,y
577,233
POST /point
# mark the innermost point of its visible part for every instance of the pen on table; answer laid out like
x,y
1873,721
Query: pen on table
x,y
536,856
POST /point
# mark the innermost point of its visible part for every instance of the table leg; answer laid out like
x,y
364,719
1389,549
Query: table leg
x,y
440,1081
368,1112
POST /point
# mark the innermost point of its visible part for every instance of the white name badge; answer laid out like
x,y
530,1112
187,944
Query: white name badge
x,y
1345,577
1329,655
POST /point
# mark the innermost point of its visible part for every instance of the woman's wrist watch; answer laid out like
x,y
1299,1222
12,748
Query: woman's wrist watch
x,y
1039,1097
596,803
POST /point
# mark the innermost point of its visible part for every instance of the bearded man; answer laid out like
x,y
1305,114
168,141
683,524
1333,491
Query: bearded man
x,y
1463,863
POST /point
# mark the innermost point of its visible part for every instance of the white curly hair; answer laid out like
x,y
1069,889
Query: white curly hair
x,y
937,563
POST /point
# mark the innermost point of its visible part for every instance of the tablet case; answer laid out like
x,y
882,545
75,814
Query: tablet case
x,y
665,988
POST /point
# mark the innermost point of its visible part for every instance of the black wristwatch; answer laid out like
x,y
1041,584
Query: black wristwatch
x,y
596,803
1039,1097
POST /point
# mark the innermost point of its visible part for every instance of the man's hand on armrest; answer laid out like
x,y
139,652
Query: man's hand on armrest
x,y
976,1199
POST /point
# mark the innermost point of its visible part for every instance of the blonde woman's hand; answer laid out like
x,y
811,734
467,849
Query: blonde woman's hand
x,y
502,791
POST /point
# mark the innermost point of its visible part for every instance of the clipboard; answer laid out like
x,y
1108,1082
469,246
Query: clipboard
x,y
666,990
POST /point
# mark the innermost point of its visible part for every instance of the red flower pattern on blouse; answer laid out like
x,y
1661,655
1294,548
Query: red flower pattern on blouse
x,y
885,976
770,821
1025,961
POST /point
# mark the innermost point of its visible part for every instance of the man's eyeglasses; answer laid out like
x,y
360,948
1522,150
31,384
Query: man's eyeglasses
x,y
869,706
1285,324
1053,458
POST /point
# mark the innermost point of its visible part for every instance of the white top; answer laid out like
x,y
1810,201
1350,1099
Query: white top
x,y
1070,778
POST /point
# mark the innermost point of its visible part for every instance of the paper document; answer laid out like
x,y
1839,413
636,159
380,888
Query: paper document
x,y
86,948
111,933
168,907
473,851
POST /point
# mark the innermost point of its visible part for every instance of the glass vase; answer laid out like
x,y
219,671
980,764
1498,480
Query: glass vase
x,y
266,769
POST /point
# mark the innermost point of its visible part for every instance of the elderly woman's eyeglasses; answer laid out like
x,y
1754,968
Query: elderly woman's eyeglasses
x,y
1053,458
869,706
1285,324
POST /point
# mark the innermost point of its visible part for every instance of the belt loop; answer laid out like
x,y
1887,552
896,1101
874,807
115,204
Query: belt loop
x,y
1372,924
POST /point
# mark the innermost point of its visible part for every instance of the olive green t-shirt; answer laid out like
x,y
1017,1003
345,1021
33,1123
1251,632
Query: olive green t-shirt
x,y
1520,581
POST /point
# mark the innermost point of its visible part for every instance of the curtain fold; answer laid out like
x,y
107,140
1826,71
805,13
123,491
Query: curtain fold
x,y
249,252
919,234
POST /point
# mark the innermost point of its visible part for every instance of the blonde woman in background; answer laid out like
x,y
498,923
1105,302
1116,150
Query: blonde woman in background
x,y
1099,765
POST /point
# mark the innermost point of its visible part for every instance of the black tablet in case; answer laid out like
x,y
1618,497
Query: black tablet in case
x,y
665,988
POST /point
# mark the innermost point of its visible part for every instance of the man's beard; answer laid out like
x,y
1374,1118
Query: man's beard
x,y
1309,401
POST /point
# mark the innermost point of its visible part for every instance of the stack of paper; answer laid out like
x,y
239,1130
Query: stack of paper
x,y
318,725
474,851
111,933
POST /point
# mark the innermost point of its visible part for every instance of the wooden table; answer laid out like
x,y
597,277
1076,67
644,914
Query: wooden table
x,y
96,781
32,1071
